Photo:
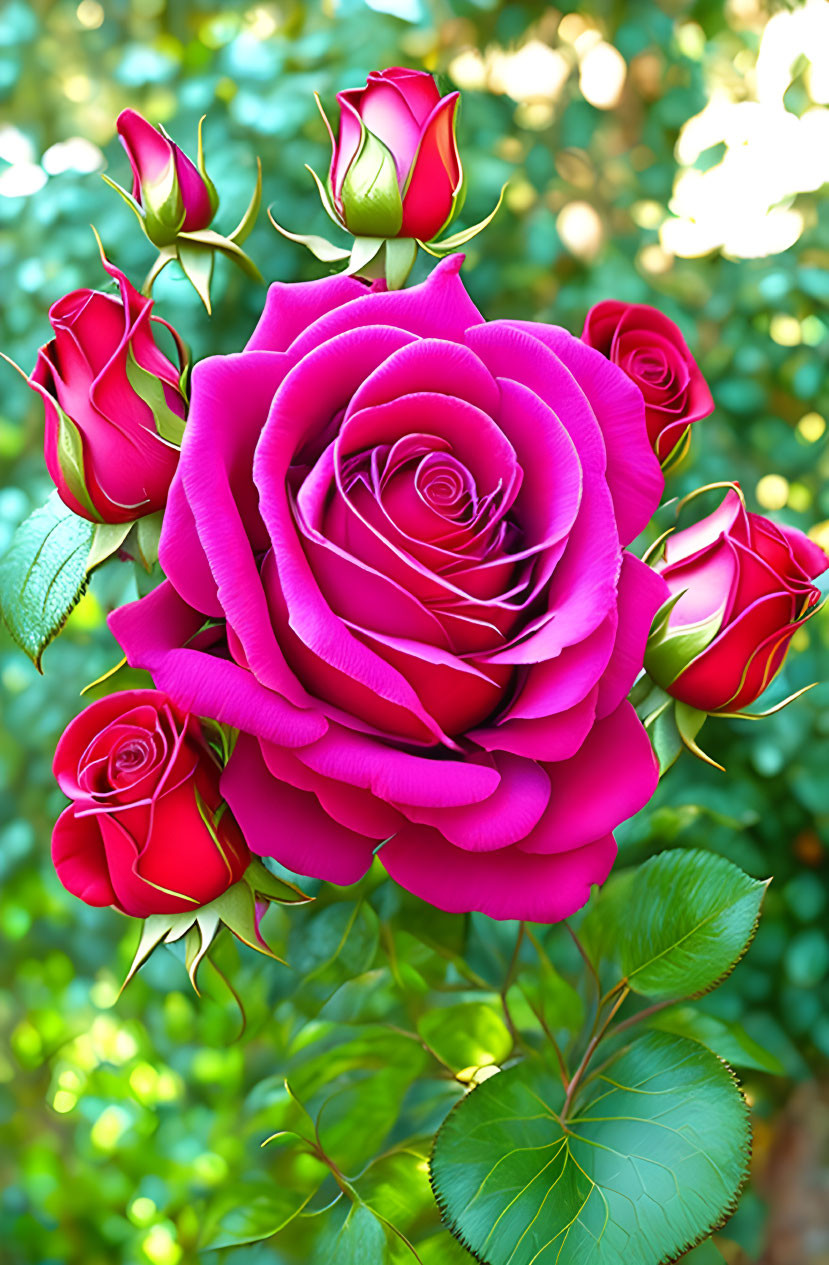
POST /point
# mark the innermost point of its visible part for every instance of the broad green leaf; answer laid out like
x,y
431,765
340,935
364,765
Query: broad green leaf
x,y
258,1216
651,1160
471,1034
362,1239
687,919
705,1254
43,575
727,1040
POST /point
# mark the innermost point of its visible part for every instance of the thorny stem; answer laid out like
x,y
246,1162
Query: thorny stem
x,y
588,1053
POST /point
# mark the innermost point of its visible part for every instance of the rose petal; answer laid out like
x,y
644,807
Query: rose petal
x,y
503,884
609,779
281,822
80,860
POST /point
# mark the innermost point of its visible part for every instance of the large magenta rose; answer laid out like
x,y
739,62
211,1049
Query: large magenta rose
x,y
395,560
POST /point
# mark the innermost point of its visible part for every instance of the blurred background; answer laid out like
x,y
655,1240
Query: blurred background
x,y
671,153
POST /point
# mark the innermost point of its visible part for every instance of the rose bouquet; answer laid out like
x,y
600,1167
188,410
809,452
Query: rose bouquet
x,y
413,605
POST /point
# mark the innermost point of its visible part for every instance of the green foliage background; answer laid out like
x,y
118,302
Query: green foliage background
x,y
122,1128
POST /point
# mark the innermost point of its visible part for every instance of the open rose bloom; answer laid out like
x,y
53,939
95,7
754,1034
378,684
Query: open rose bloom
x,y
395,560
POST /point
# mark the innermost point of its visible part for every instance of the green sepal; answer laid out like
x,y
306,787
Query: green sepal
x,y
769,711
147,536
165,256
669,651
364,253
153,930
372,206
318,246
268,886
169,426
163,205
197,265
449,244
243,228
106,540
69,444
208,183
678,453
134,206
689,721
400,256
197,941
326,199
237,909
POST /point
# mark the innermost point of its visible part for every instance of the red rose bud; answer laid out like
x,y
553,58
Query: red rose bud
x,y
175,195
742,585
650,349
147,830
395,170
114,404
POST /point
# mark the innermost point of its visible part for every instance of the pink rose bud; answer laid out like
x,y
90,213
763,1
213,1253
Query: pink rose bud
x,y
650,349
114,404
743,586
147,830
395,170
174,195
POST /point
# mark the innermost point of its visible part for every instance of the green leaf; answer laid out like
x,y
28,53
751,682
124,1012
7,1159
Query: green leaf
x,y
686,919
471,1034
257,1216
361,1240
727,1040
43,574
649,1164
556,1000
705,1254
106,540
